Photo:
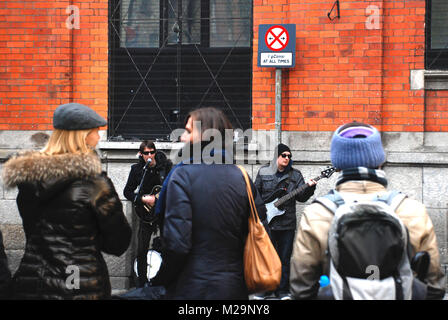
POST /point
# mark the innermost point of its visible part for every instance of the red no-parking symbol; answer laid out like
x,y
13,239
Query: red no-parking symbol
x,y
276,38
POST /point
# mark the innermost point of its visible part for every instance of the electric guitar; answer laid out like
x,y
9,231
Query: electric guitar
x,y
144,211
278,197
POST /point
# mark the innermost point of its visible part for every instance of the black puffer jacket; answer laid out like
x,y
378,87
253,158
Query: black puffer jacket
x,y
267,182
71,213
205,230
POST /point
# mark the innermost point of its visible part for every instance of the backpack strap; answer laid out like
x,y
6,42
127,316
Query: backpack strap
x,y
331,201
392,198
397,200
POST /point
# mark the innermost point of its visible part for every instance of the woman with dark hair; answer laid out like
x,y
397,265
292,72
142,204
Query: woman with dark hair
x,y
206,118
207,127
205,208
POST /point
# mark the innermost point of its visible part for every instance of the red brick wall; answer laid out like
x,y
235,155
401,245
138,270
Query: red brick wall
x,y
436,116
43,63
344,70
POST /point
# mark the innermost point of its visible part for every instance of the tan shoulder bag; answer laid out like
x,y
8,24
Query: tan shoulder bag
x,y
262,266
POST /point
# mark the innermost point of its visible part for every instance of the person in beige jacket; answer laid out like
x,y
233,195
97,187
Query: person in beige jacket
x,y
356,150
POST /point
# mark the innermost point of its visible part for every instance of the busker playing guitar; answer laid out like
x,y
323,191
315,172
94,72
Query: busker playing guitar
x,y
155,166
280,174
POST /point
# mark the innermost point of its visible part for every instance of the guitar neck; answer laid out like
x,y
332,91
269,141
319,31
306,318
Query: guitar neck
x,y
294,193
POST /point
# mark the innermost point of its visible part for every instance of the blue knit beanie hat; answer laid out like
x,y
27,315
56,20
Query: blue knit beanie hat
x,y
357,145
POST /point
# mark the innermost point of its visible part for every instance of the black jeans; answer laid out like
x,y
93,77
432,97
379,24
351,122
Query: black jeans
x,y
145,231
283,242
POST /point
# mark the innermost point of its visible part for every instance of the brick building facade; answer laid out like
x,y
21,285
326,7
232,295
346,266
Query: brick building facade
x,y
357,66
45,61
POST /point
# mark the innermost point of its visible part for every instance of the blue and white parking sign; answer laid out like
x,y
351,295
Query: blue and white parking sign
x,y
277,45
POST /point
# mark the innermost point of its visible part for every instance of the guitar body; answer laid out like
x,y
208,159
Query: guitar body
x,y
279,197
144,212
275,195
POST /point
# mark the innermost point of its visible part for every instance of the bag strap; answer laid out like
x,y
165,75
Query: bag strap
x,y
393,199
331,201
288,180
253,208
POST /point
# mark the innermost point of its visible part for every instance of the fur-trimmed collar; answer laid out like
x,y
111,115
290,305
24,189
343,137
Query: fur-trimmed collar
x,y
31,166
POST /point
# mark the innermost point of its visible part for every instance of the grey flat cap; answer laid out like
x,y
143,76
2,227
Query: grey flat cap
x,y
75,116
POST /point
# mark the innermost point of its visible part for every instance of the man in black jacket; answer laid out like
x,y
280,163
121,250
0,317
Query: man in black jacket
x,y
280,174
158,168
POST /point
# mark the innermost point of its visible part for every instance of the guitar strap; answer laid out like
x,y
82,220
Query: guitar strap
x,y
288,179
289,175
162,174
284,182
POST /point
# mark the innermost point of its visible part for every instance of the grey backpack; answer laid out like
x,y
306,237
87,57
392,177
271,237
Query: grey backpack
x,y
368,248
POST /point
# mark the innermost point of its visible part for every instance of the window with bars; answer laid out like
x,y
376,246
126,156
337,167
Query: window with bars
x,y
139,24
167,57
436,53
144,23
183,21
230,23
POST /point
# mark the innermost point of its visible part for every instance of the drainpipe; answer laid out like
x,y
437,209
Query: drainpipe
x,y
278,104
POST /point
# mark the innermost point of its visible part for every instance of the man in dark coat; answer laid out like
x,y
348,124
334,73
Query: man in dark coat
x,y
280,174
158,168
5,274
205,219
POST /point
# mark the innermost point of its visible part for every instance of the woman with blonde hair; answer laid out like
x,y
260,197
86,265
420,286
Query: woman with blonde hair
x,y
70,210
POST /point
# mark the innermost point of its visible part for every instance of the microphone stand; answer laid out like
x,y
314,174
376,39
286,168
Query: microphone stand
x,y
137,196
145,170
